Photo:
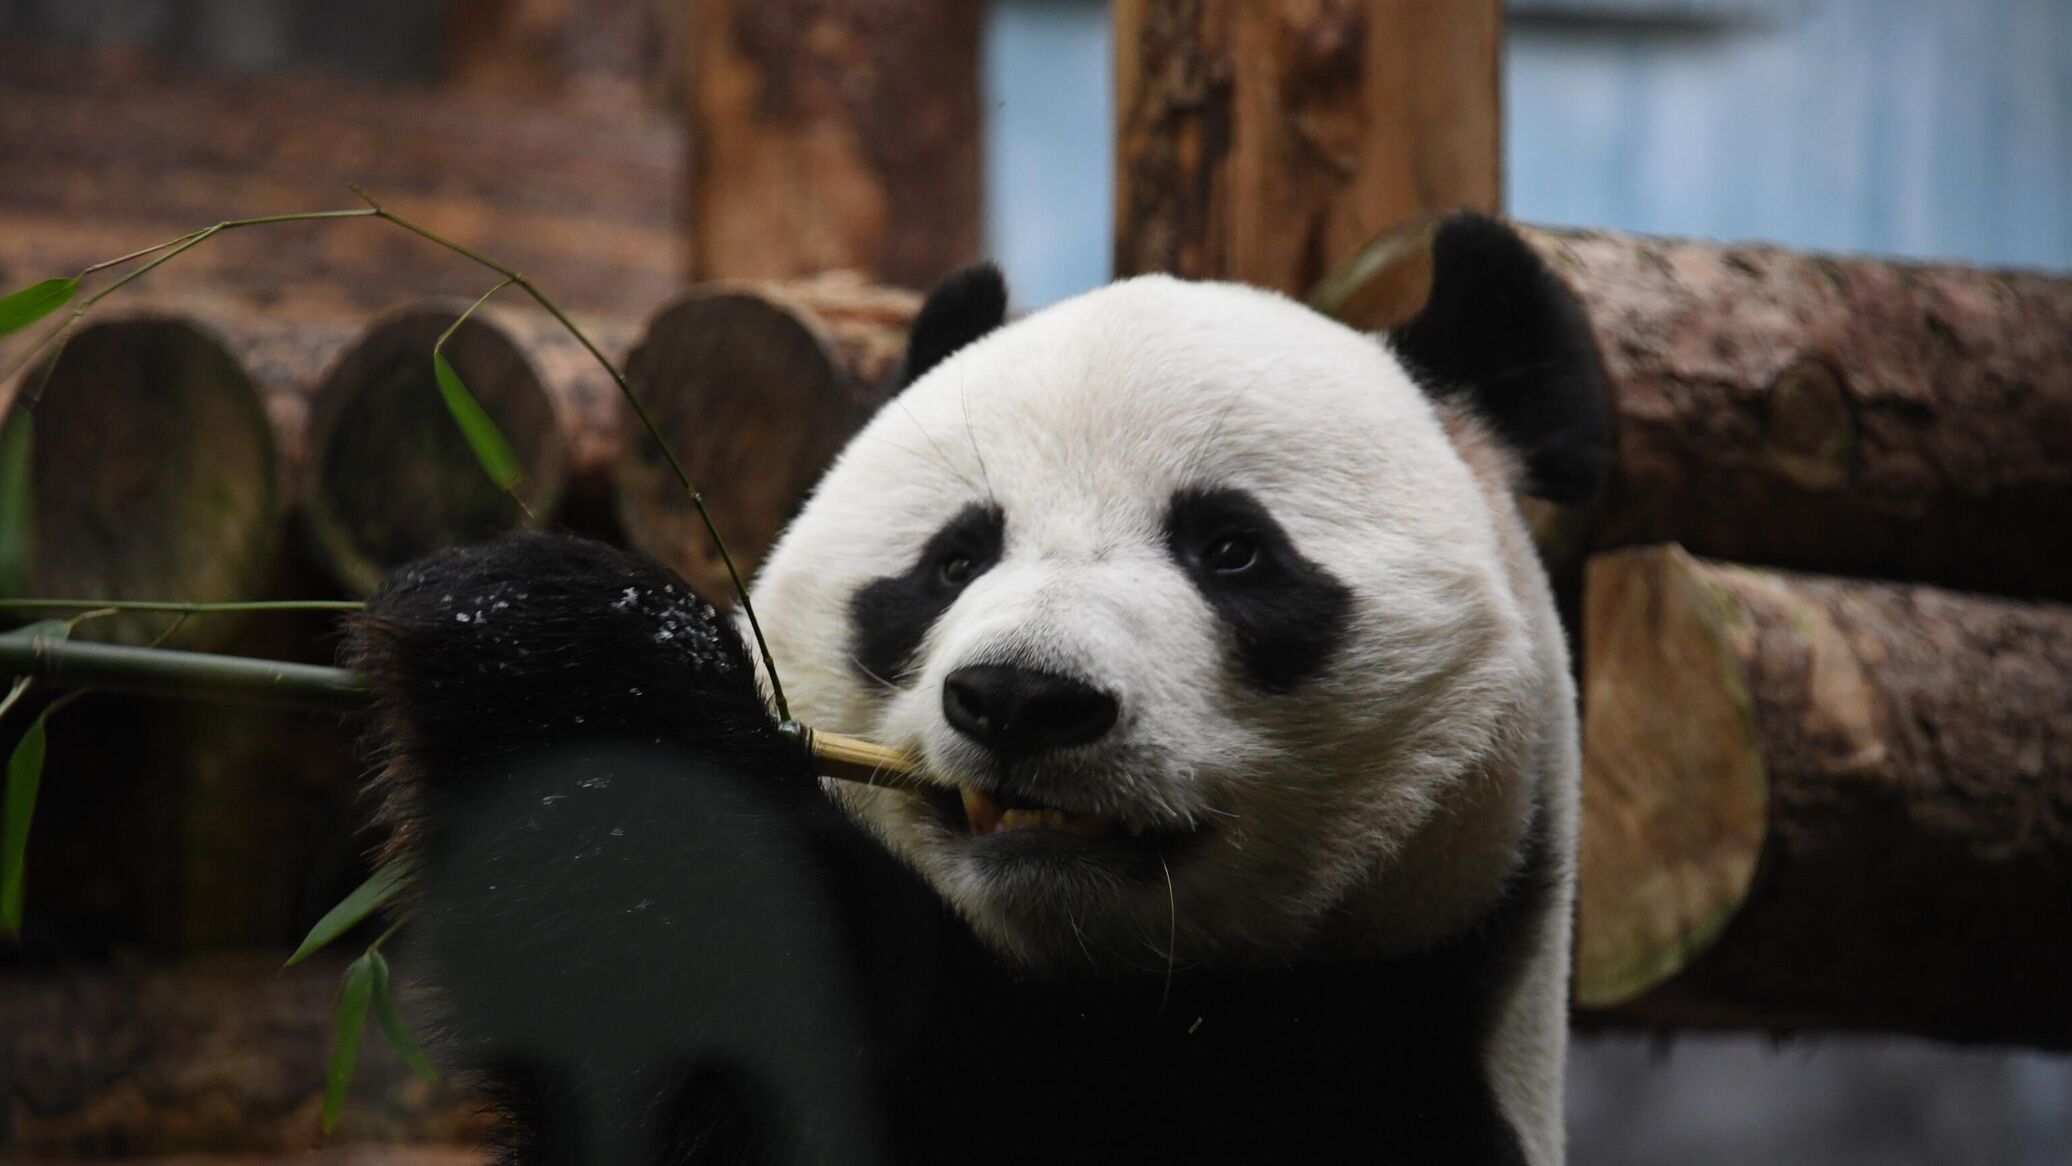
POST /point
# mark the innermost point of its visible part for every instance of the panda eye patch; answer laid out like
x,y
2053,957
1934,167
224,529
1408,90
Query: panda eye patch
x,y
889,616
1284,614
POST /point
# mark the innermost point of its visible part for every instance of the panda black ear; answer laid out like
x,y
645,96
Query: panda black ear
x,y
1502,332
966,305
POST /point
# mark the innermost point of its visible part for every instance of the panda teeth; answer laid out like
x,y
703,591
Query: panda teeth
x,y
988,816
982,812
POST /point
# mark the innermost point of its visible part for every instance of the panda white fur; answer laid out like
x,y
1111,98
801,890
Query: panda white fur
x,y
1252,718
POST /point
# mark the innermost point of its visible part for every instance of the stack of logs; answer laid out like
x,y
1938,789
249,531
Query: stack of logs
x,y
1817,800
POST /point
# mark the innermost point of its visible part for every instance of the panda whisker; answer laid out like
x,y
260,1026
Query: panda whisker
x,y
866,670
1201,448
971,434
1172,932
941,455
1079,934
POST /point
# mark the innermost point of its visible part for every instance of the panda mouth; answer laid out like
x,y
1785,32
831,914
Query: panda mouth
x,y
987,815
997,815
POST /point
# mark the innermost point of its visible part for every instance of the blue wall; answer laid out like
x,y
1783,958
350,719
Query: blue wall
x,y
1926,128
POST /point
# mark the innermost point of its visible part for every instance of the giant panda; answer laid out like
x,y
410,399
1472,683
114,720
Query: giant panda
x,y
1246,711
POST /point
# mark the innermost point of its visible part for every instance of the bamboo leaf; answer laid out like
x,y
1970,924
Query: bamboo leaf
x,y
32,303
392,1024
365,898
354,994
483,436
17,502
17,806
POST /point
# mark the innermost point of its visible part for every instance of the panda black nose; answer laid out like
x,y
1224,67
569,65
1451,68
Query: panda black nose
x,y
1019,711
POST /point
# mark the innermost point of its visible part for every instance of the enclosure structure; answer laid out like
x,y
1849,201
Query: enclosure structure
x,y
1821,606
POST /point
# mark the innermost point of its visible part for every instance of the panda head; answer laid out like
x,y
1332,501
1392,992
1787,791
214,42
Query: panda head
x,y
1206,610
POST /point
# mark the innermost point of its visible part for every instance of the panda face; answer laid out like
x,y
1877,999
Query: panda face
x,y
1186,598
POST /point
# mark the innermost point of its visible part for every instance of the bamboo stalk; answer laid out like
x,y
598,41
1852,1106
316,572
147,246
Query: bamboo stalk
x,y
245,680
164,672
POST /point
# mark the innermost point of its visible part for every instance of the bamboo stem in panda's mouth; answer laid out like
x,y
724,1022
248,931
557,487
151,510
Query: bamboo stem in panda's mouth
x,y
855,759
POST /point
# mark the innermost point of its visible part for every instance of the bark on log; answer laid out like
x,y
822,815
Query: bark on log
x,y
1261,142
1815,802
389,476
826,135
105,156
1855,416
604,55
153,473
755,387
223,1054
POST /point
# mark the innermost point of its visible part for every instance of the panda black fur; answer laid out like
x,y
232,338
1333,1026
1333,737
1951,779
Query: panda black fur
x,y
1254,722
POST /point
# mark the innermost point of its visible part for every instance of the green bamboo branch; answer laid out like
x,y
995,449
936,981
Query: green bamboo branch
x,y
176,608
164,672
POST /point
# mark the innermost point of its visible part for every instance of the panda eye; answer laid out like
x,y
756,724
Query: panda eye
x,y
955,568
1229,554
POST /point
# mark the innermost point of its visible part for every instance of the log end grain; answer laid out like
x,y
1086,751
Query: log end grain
x,y
152,475
1675,797
389,476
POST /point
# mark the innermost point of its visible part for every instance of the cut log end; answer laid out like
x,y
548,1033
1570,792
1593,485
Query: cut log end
x,y
390,476
755,389
749,394
152,476
1673,817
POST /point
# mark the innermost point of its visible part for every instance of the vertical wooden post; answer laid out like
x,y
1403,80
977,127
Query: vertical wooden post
x,y
827,134
1264,140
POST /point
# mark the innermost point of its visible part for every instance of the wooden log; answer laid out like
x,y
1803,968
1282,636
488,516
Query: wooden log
x,y
599,54
826,135
1849,415
1262,142
1816,802
168,824
755,388
389,476
221,1054
153,473
106,155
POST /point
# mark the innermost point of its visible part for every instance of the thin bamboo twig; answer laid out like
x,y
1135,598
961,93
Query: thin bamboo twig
x,y
177,608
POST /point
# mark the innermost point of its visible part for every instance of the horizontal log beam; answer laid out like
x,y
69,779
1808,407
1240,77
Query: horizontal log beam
x,y
1838,414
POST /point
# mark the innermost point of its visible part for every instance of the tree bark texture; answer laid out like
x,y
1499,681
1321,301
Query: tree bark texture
x,y
1262,142
1816,802
1837,414
1847,415
602,55
755,387
832,135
